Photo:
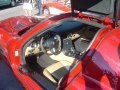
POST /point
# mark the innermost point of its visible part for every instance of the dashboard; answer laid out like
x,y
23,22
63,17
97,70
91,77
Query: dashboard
x,y
74,38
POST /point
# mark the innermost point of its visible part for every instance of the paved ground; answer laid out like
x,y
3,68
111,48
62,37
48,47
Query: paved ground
x,y
6,12
7,80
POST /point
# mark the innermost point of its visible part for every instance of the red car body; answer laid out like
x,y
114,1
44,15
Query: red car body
x,y
99,69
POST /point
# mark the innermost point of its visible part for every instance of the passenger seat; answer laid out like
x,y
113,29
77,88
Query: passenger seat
x,y
56,71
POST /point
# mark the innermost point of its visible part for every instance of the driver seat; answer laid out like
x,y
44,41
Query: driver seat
x,y
56,71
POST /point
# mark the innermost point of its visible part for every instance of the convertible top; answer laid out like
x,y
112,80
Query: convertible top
x,y
103,7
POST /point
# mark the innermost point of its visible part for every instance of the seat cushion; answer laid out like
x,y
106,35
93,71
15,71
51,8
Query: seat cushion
x,y
56,71
81,44
45,61
48,75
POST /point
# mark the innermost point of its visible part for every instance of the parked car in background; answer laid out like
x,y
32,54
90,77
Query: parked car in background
x,y
72,51
21,1
56,7
8,2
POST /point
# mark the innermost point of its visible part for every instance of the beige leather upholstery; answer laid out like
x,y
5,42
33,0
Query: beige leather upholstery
x,y
48,75
30,50
56,71
27,51
62,57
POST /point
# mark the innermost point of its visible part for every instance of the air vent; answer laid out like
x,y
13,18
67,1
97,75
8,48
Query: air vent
x,y
18,26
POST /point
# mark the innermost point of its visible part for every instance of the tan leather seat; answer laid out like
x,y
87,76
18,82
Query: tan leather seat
x,y
56,71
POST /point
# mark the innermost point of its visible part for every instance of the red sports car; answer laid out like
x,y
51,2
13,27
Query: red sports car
x,y
73,51
56,7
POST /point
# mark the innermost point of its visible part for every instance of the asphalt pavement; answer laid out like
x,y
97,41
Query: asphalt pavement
x,y
7,79
7,11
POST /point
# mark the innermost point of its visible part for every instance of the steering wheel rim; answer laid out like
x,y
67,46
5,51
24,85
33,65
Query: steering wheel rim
x,y
54,39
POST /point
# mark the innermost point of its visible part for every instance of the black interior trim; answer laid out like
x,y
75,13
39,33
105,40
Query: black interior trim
x,y
43,81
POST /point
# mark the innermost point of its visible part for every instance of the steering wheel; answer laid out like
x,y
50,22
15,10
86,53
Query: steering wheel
x,y
51,42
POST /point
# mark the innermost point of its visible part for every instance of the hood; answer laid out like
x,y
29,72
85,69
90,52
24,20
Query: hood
x,y
101,7
16,24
